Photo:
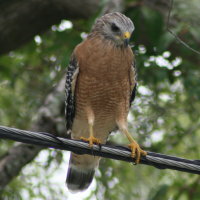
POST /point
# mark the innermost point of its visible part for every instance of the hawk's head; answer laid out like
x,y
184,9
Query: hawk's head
x,y
115,27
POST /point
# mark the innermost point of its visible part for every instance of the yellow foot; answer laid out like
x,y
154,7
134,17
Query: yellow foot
x,y
91,140
136,151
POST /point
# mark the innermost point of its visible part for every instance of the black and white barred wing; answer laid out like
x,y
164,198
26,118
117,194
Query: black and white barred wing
x,y
133,82
70,85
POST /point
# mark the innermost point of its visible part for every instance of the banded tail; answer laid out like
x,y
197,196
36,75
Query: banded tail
x,y
81,171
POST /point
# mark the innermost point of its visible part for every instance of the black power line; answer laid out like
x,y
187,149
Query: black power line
x,y
157,160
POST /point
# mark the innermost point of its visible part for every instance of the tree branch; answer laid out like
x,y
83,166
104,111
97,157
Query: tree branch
x,y
21,20
48,119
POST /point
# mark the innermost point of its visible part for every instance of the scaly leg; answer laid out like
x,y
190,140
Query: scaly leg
x,y
91,138
136,151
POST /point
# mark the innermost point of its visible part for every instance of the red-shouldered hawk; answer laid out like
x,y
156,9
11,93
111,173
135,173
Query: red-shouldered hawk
x,y
100,87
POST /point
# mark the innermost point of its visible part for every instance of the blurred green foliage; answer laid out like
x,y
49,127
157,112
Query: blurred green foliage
x,y
164,117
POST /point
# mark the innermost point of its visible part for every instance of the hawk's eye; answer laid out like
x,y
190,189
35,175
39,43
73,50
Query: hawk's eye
x,y
114,27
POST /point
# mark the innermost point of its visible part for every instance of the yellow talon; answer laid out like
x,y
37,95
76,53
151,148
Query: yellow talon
x,y
136,151
91,140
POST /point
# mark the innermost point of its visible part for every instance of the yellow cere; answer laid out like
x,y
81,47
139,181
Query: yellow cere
x,y
127,35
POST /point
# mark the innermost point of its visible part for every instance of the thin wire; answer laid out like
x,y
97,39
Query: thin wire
x,y
176,36
157,160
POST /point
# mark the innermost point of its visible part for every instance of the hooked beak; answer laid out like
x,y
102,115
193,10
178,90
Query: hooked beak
x,y
126,37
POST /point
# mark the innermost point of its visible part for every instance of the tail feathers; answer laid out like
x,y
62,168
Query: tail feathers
x,y
79,179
